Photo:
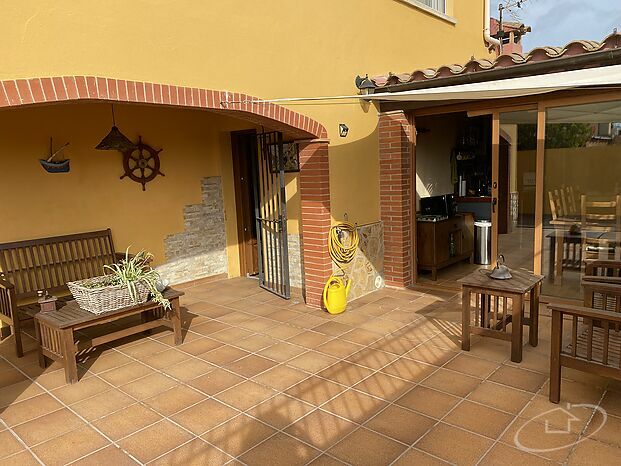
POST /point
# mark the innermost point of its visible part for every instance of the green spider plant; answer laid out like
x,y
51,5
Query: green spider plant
x,y
134,269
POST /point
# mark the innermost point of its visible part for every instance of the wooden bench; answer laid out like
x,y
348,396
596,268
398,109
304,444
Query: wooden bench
x,y
593,342
56,330
48,264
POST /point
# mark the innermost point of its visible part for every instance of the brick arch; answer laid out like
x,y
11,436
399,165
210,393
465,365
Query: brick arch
x,y
19,92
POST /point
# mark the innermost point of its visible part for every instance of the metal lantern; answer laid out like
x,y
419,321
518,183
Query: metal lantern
x,y
115,140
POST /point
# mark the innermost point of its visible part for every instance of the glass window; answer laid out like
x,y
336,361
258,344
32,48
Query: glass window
x,y
439,5
582,193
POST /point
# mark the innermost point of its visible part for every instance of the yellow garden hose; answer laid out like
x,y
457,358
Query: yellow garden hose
x,y
341,252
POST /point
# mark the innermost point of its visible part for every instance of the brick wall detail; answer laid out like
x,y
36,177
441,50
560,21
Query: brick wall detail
x,y
316,219
396,196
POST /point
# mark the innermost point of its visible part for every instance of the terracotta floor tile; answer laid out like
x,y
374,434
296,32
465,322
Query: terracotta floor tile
x,y
211,327
394,345
311,361
373,359
355,406
22,459
325,460
102,362
364,447
500,397
345,373
428,401
321,429
282,331
144,348
415,457
154,441
11,376
400,424
174,400
107,456
10,445
255,343
70,394
315,390
189,369
282,351
203,416
250,365
280,450
48,426
195,452
384,386
245,395
576,392
31,408
18,392
603,429
309,339
200,345
590,452
70,446
125,374
463,448
165,358
127,421
528,435
332,328
280,411
502,454
611,402
238,435
541,410
471,365
452,382
102,404
148,386
518,378
232,335
223,355
431,354
361,336
409,369
339,348
479,419
216,381
281,377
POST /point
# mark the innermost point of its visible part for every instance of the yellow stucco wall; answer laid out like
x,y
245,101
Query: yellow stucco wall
x,y
270,49
35,204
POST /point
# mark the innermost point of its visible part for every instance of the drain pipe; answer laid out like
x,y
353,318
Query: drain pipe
x,y
487,36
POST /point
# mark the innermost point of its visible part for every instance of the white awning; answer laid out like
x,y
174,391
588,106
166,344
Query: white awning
x,y
512,87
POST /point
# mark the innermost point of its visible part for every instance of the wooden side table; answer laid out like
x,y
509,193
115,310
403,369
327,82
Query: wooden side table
x,y
498,303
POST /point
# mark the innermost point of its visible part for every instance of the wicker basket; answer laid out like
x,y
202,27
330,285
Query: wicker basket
x,y
106,298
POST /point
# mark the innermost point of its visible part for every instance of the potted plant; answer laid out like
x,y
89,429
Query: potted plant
x,y
129,282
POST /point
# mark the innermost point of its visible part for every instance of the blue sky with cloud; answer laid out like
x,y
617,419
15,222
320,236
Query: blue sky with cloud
x,y
557,22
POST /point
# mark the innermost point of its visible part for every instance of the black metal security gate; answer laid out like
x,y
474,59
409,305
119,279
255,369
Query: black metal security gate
x,y
271,214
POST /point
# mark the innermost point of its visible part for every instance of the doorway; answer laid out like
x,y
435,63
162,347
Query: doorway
x,y
244,148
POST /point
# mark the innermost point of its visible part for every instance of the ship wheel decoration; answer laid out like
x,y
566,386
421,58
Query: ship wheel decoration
x,y
141,163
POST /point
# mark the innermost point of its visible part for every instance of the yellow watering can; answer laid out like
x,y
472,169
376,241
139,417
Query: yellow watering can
x,y
335,294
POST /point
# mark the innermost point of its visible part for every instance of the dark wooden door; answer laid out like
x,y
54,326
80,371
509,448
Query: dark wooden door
x,y
244,147
504,197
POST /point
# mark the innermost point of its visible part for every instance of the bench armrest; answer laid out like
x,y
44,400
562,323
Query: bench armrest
x,y
586,312
5,284
7,300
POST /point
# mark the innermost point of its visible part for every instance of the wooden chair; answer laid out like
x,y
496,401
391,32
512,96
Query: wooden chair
x,y
27,267
564,206
594,338
605,216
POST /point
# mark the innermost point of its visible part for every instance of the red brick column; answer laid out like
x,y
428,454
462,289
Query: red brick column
x,y
316,218
396,196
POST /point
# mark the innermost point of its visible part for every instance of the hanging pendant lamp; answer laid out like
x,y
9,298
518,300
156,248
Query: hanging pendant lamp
x,y
115,140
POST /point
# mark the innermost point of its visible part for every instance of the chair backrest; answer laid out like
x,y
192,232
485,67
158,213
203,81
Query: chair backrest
x,y
602,268
601,210
563,203
49,263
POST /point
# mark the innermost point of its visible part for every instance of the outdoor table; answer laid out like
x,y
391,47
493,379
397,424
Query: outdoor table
x,y
56,329
492,312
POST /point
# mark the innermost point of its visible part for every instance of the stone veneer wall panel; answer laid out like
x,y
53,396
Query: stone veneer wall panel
x,y
200,250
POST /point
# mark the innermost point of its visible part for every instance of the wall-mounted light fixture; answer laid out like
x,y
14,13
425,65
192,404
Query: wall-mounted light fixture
x,y
343,130
365,85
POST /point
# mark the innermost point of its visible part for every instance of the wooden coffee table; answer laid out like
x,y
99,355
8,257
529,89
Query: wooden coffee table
x,y
56,329
486,309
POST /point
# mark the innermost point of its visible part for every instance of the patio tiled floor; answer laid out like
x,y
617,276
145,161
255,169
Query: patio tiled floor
x,y
259,380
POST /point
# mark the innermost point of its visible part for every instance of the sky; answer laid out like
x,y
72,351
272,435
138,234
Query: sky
x,y
557,22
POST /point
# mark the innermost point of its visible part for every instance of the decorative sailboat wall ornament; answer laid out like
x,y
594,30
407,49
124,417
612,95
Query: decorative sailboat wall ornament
x,y
115,140
55,166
